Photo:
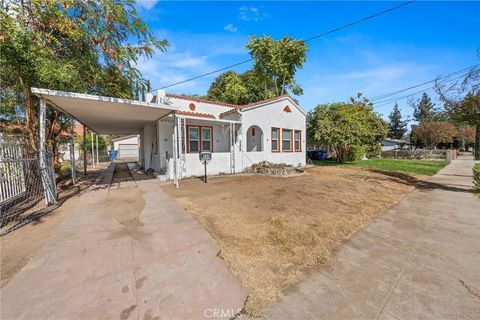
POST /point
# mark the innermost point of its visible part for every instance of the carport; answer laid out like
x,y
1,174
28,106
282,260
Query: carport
x,y
103,115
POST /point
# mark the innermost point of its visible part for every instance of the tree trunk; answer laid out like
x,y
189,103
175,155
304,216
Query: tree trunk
x,y
31,136
476,151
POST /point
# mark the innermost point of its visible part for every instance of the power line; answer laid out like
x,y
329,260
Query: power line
x,y
384,103
361,20
381,97
307,40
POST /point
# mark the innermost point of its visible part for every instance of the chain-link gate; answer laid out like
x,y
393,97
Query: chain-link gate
x,y
22,191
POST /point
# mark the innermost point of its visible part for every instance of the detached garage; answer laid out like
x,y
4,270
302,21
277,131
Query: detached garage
x,y
127,147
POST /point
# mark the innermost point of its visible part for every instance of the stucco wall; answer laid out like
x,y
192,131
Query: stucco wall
x,y
165,131
147,146
273,115
131,140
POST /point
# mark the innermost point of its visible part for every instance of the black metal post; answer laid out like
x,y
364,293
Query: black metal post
x,y
205,166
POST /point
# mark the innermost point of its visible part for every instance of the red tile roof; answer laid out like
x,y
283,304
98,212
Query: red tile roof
x,y
196,114
229,112
255,104
223,104
267,100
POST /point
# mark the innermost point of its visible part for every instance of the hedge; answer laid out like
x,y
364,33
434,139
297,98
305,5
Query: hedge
x,y
476,178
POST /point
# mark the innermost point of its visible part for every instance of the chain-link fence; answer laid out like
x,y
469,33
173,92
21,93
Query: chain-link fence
x,y
22,191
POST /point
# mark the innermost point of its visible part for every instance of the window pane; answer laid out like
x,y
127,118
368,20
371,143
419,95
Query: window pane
x,y
297,145
206,146
297,135
286,145
274,133
275,145
206,133
193,146
193,133
286,134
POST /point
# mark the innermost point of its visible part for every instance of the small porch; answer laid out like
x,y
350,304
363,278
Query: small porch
x,y
190,136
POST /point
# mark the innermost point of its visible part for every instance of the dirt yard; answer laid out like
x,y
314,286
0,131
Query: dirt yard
x,y
273,230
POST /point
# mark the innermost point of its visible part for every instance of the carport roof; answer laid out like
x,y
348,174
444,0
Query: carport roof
x,y
106,115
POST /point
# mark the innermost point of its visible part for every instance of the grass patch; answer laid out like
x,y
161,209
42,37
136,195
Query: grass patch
x,y
426,167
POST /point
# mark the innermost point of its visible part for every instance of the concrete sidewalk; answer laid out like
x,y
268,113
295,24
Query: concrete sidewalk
x,y
421,260
93,267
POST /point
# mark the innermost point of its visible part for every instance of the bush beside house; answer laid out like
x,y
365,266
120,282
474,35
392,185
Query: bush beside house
x,y
348,129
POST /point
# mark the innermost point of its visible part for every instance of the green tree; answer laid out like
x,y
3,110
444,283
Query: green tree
x,y
423,109
228,87
396,126
345,127
82,46
102,143
273,74
461,101
278,61
431,134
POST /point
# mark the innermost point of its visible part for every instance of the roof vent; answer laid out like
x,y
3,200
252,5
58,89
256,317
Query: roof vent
x,y
161,97
149,97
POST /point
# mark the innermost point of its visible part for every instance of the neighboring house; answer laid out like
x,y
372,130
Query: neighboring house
x,y
174,129
127,147
392,144
64,147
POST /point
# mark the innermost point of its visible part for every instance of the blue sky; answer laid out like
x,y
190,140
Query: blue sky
x,y
411,45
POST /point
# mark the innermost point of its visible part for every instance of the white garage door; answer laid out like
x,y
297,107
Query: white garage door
x,y
127,150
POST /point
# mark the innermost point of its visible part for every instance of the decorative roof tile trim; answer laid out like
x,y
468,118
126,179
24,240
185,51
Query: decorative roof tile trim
x,y
190,98
229,112
268,100
196,114
257,103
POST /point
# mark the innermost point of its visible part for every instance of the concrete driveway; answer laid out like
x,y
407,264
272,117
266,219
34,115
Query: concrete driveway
x,y
103,262
421,260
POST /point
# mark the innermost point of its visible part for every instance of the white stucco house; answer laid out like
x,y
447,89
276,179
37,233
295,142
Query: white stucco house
x,y
174,129
127,146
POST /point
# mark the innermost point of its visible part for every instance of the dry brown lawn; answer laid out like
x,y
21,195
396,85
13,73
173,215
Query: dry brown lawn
x,y
273,230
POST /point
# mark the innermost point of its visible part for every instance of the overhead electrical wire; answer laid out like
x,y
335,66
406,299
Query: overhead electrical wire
x,y
394,99
380,13
422,84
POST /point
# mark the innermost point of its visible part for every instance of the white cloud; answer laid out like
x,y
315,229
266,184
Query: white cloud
x,y
189,55
251,14
230,27
146,4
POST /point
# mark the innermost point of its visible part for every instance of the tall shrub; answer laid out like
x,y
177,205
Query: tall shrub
x,y
343,126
